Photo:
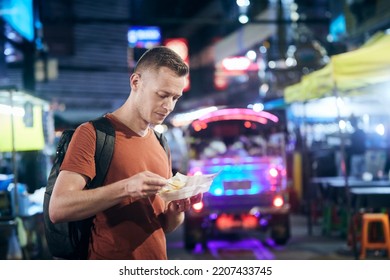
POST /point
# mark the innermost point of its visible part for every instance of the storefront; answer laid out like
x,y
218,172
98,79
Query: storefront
x,y
26,146
323,109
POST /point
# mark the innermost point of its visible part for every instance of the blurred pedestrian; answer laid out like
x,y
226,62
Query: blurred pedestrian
x,y
356,150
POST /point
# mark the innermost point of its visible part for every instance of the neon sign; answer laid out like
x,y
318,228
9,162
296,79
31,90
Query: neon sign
x,y
143,36
234,114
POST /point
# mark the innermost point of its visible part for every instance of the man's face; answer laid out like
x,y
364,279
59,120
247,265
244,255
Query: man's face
x,y
157,92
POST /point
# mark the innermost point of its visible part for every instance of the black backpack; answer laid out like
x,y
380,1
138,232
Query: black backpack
x,y
70,240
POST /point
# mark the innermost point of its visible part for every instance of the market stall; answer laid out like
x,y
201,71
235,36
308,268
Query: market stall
x,y
350,73
26,144
353,85
322,105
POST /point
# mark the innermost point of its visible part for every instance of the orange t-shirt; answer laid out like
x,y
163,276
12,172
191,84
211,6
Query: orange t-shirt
x,y
130,229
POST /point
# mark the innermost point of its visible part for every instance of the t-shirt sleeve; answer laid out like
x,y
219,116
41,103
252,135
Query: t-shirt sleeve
x,y
80,156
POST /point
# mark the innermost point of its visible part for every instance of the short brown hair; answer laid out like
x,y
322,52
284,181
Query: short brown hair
x,y
160,56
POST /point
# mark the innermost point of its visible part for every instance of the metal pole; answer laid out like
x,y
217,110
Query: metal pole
x,y
350,223
14,161
305,172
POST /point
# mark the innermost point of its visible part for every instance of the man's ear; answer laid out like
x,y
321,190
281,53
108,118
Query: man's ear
x,y
134,80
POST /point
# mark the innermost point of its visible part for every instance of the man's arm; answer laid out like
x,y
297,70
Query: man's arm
x,y
70,201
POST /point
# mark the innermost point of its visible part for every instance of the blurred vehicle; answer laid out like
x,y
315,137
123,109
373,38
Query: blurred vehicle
x,y
249,193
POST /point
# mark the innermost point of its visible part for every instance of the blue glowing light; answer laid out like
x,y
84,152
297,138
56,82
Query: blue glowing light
x,y
19,15
217,191
244,176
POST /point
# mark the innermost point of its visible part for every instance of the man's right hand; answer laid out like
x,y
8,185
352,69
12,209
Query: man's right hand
x,y
144,184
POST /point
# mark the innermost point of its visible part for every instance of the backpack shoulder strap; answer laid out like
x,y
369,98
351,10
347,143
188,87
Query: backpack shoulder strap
x,y
105,142
163,141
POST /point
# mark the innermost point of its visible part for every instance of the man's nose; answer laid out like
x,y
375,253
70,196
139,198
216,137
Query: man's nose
x,y
169,104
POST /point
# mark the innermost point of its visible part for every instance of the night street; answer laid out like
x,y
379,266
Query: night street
x,y
301,246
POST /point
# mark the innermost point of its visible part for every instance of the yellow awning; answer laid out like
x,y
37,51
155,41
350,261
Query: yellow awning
x,y
367,65
23,116
350,73
318,83
314,85
294,93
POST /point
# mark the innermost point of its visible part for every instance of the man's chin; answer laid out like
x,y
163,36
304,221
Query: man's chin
x,y
156,122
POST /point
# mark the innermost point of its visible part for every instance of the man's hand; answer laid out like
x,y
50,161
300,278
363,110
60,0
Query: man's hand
x,y
174,214
143,184
183,205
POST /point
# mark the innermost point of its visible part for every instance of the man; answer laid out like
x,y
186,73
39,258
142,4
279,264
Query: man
x,y
131,220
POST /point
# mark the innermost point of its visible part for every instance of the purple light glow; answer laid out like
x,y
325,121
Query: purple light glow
x,y
247,248
263,222
239,112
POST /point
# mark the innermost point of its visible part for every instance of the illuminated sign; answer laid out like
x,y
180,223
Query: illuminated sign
x,y
19,15
143,36
180,46
338,27
27,126
239,63
232,67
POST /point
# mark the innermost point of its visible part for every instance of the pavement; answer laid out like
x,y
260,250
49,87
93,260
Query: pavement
x,y
304,244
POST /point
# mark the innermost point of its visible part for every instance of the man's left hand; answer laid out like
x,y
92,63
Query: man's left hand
x,y
183,205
